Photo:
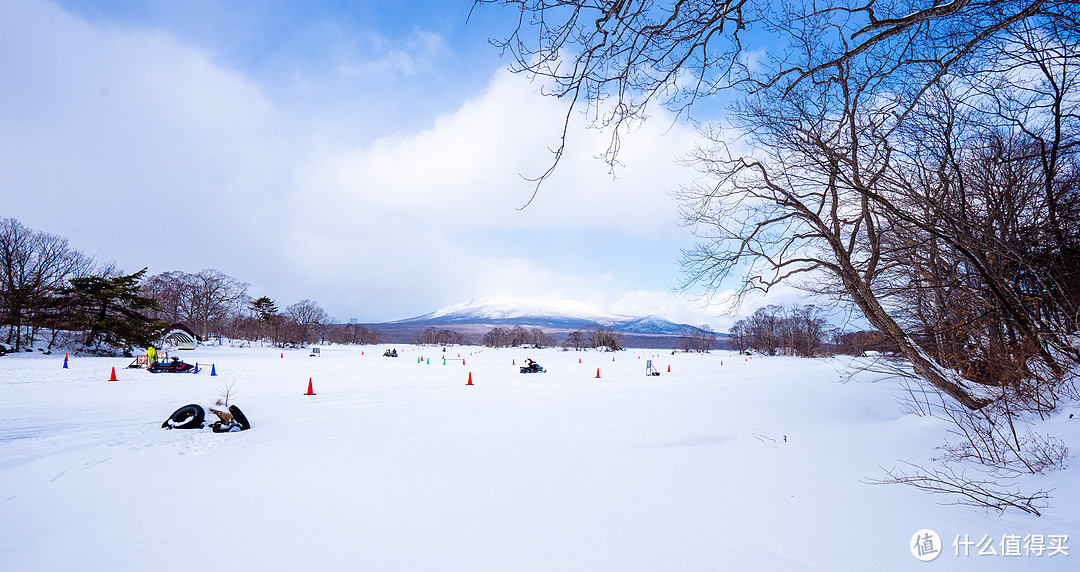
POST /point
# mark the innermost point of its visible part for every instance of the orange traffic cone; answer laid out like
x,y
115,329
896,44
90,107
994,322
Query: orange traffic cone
x,y
470,379
309,388
113,376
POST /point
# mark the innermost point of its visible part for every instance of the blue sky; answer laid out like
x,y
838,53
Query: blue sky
x,y
366,155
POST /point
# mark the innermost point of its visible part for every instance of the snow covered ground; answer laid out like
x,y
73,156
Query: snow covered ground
x,y
397,464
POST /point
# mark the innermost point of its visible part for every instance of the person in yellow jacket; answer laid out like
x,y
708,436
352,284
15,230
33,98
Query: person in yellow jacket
x,y
151,353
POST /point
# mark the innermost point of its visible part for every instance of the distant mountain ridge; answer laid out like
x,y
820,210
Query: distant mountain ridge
x,y
560,315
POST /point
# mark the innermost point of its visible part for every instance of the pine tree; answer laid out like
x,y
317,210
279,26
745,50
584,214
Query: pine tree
x,y
264,308
111,310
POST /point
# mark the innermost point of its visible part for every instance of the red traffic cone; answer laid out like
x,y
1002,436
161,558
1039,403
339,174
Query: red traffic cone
x,y
470,379
669,367
309,389
282,355
512,362
113,376
597,373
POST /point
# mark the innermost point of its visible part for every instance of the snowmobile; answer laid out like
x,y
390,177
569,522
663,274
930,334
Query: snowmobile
x,y
390,353
172,366
532,367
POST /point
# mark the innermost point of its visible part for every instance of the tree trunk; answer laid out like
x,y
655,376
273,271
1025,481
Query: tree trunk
x,y
921,363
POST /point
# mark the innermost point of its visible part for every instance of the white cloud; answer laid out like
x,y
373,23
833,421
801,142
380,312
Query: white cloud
x,y
374,57
466,169
147,150
125,138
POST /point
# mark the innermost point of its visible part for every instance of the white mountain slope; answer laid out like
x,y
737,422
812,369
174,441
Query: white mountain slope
x,y
561,314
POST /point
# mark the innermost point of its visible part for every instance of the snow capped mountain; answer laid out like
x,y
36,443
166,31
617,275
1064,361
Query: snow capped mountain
x,y
512,308
560,314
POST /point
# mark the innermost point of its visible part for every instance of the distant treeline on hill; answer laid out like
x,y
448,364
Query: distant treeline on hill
x,y
588,337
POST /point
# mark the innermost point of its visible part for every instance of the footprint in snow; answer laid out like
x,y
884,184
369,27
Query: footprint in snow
x,y
89,464
57,477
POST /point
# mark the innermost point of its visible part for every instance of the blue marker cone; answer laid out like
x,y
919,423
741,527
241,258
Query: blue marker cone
x,y
213,370
196,370
65,361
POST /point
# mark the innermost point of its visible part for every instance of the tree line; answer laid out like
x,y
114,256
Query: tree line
x,y
516,336
443,337
54,294
701,339
215,306
777,330
594,336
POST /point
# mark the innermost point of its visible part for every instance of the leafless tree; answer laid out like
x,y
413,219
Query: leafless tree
x,y
515,336
169,290
35,267
739,336
213,297
795,330
700,339
356,334
309,317
206,301
603,337
575,339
